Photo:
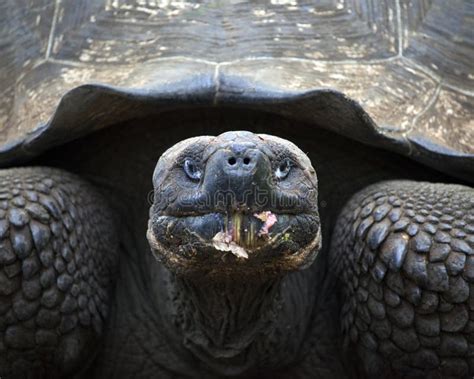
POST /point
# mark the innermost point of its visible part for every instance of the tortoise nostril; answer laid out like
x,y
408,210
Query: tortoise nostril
x,y
232,161
246,160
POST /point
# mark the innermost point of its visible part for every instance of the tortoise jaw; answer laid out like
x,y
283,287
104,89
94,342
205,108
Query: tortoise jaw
x,y
223,242
245,233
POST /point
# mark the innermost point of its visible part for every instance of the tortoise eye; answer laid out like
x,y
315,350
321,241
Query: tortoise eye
x,y
283,169
192,170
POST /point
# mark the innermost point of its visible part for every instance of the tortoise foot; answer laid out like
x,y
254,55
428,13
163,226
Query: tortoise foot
x,y
57,252
404,253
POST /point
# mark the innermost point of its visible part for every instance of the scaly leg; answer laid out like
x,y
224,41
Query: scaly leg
x,y
404,253
58,249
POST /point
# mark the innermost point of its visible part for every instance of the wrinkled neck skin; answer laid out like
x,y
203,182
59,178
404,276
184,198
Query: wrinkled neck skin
x,y
235,326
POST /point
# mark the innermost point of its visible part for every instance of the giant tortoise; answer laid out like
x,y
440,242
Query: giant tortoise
x,y
232,256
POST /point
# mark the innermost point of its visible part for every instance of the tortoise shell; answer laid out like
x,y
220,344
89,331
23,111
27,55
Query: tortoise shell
x,y
392,74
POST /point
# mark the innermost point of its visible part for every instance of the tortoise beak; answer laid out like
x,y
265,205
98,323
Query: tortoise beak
x,y
238,177
237,241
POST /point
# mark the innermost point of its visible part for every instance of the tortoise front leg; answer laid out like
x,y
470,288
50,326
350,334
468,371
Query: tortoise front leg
x,y
58,250
404,253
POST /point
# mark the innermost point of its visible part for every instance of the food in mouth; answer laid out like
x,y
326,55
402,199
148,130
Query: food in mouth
x,y
230,239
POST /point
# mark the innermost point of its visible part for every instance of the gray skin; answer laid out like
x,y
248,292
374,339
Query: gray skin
x,y
383,290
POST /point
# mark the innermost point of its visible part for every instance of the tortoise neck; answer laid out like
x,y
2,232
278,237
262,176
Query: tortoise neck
x,y
234,325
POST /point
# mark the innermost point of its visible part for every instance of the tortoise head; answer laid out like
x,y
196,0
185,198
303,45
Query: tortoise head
x,y
238,202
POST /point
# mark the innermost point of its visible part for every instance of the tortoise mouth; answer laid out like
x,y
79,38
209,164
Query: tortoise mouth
x,y
215,240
